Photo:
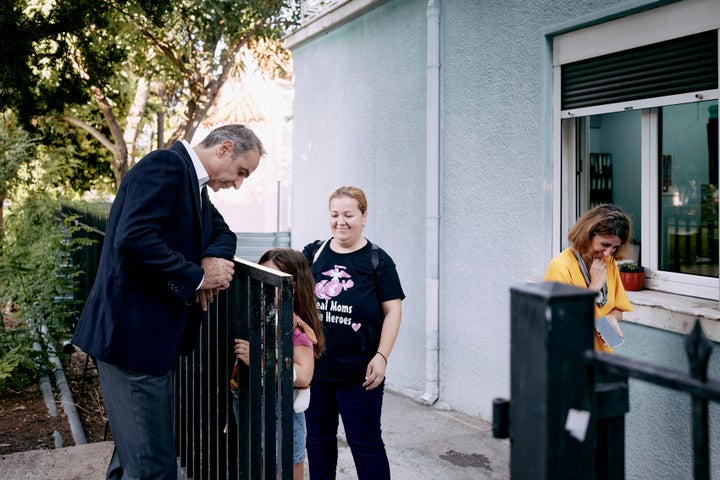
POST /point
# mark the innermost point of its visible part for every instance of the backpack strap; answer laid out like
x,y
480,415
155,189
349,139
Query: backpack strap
x,y
374,256
375,259
318,245
310,250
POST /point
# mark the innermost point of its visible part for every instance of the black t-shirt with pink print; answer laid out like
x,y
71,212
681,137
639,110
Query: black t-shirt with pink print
x,y
349,295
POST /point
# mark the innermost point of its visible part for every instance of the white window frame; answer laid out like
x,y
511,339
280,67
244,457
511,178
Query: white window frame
x,y
679,19
684,284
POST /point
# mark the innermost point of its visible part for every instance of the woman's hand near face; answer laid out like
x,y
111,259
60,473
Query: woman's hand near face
x,y
598,274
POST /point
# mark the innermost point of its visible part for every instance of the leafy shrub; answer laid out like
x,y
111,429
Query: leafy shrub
x,y
16,367
37,275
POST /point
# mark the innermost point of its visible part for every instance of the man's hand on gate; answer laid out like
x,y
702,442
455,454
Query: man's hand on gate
x,y
218,273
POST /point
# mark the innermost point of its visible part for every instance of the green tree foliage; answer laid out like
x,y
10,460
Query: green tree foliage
x,y
71,160
56,55
43,41
108,67
200,46
59,157
17,149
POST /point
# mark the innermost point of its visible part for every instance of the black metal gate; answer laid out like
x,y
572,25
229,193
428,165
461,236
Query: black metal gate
x,y
211,443
567,415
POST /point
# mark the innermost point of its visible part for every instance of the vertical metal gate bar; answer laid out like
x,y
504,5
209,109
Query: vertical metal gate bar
x,y
612,400
256,381
180,385
284,379
204,356
698,349
194,393
213,415
224,368
269,375
241,452
552,413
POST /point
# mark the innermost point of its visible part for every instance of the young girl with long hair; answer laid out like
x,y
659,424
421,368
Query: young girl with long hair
x,y
308,342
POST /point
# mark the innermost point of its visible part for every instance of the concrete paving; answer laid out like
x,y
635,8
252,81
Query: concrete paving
x,y
423,442
70,463
426,442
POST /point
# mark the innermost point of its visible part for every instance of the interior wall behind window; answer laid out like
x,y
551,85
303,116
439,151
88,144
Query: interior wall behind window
x,y
614,141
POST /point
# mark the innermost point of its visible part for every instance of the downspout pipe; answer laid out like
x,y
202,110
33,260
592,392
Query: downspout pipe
x,y
68,404
48,398
432,206
66,397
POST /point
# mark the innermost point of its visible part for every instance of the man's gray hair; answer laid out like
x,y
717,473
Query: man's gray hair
x,y
241,136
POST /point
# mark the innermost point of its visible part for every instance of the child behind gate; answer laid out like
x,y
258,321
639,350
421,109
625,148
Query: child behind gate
x,y
308,343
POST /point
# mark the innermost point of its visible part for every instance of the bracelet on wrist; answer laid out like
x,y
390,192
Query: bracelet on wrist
x,y
383,356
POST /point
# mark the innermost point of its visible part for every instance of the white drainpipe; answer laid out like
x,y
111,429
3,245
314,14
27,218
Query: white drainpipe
x,y
66,398
432,207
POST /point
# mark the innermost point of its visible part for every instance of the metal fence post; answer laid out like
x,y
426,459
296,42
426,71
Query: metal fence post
x,y
698,349
552,417
613,402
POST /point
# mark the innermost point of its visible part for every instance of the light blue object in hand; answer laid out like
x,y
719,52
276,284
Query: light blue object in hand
x,y
608,332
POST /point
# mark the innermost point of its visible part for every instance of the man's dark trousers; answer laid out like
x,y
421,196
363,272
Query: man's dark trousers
x,y
139,407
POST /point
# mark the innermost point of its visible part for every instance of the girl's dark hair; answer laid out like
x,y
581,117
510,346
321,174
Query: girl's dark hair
x,y
294,263
607,220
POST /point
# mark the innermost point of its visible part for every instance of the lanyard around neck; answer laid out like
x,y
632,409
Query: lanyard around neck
x,y
601,299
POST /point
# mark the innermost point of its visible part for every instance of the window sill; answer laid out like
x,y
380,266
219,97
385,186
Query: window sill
x,y
674,313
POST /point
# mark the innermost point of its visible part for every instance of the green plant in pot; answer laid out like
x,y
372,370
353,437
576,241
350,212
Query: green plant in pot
x,y
632,275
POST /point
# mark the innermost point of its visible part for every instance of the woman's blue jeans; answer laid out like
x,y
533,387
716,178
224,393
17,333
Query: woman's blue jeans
x,y
360,410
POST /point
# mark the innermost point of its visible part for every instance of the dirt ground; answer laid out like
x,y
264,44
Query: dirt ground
x,y
25,423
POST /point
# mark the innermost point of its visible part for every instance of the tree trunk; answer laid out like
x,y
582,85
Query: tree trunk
x,y
120,155
134,117
205,91
161,129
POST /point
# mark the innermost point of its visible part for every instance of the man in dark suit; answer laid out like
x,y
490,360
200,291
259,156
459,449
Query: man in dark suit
x,y
167,253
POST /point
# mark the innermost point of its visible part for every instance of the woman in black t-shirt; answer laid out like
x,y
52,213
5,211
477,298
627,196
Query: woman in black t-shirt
x,y
359,297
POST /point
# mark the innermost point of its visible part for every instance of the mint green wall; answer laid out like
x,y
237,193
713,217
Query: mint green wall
x,y
658,442
359,118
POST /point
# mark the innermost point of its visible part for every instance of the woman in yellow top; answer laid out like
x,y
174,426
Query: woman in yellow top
x,y
601,236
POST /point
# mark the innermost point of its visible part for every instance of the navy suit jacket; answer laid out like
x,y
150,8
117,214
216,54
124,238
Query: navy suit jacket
x,y
140,313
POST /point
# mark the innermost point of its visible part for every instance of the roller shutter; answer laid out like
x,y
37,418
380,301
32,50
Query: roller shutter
x,y
682,65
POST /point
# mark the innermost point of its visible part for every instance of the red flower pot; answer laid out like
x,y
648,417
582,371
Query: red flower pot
x,y
632,281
